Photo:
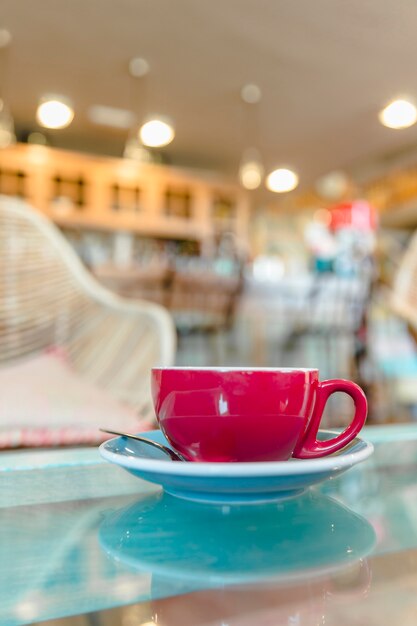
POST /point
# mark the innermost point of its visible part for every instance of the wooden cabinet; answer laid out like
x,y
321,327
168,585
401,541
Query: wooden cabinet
x,y
82,192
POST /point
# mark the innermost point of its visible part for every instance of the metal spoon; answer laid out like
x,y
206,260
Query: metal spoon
x,y
174,456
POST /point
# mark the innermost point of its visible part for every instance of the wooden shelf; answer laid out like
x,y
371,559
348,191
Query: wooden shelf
x,y
168,228
79,191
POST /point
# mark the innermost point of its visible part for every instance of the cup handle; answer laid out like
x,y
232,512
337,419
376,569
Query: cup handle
x,y
308,447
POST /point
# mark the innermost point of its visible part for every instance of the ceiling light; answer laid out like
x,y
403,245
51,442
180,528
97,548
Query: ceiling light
x,y
156,133
6,137
138,67
251,94
38,139
251,170
398,114
5,38
282,180
250,175
54,113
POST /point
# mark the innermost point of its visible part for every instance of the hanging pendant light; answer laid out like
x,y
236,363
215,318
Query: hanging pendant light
x,y
282,180
251,170
157,132
54,112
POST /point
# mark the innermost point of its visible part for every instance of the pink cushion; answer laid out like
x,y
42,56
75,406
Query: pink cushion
x,y
44,402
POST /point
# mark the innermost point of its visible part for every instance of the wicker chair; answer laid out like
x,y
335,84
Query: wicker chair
x,y
48,299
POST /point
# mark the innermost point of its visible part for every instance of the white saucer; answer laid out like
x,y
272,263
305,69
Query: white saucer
x,y
230,483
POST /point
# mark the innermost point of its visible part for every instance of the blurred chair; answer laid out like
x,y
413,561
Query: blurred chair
x,y
202,300
203,303
150,282
49,300
404,288
394,335
325,322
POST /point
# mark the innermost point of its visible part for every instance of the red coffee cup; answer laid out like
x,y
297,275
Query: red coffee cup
x,y
249,414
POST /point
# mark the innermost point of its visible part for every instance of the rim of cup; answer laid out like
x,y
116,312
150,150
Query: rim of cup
x,y
233,369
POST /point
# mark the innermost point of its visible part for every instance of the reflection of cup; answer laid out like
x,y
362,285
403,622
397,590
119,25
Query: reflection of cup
x,y
232,414
201,546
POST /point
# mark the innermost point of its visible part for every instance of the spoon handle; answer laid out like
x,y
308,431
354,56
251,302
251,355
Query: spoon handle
x,y
173,455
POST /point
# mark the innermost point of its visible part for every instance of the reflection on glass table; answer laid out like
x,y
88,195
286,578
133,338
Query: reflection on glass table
x,y
81,537
203,545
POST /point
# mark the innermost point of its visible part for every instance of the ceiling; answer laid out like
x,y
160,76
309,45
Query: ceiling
x,y
325,69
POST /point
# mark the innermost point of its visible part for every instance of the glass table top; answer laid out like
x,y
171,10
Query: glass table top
x,y
81,537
